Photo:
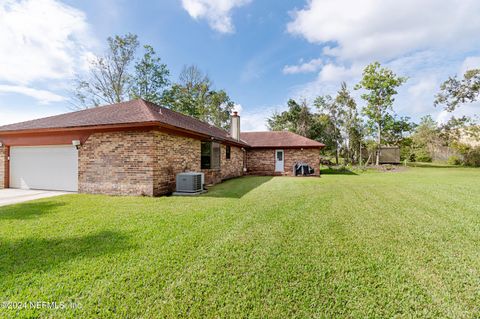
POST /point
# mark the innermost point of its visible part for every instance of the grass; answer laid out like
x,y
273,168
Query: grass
x,y
354,245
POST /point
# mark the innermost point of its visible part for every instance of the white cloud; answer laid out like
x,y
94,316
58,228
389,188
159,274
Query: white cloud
x,y
383,29
471,62
254,120
216,12
420,94
471,110
238,108
337,73
41,40
427,41
328,81
307,67
10,115
42,96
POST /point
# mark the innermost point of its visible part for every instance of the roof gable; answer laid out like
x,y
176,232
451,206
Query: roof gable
x,y
139,112
120,113
131,112
278,139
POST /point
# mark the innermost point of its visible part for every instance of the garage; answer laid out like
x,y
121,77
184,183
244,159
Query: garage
x,y
44,167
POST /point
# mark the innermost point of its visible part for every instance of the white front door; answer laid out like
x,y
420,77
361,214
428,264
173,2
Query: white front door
x,y
279,160
44,167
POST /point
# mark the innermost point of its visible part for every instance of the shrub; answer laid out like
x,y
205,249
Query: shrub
x,y
472,157
406,149
412,158
454,160
422,155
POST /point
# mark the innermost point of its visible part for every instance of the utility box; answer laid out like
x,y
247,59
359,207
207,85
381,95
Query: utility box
x,y
189,183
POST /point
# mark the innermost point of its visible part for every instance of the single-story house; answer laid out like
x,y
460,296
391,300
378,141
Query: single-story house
x,y
137,148
276,152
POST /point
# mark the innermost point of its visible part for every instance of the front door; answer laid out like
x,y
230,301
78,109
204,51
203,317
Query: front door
x,y
279,160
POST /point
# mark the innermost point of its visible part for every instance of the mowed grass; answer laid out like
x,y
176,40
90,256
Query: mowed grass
x,y
379,245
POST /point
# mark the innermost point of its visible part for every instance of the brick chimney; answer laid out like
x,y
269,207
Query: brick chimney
x,y
235,126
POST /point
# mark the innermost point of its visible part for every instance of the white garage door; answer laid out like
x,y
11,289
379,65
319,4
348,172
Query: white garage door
x,y
44,167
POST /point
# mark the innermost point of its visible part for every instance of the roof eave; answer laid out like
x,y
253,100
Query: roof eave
x,y
80,128
122,126
287,146
202,135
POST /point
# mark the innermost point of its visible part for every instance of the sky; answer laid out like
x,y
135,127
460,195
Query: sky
x,y
262,52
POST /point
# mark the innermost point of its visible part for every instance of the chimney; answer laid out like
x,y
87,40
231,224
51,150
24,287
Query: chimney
x,y
235,126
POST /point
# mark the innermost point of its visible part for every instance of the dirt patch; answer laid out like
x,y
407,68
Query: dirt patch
x,y
387,168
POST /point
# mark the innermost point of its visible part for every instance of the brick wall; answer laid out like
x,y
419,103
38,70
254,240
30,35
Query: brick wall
x,y
145,163
2,166
311,156
212,176
262,161
117,163
232,167
229,168
174,154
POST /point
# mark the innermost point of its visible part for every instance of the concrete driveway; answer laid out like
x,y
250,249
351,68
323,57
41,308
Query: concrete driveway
x,y
13,196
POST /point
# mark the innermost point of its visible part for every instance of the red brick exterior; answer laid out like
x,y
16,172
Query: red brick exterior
x,y
173,154
117,163
232,167
146,163
261,161
212,176
229,168
3,161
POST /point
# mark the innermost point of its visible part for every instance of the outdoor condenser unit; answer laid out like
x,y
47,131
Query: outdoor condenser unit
x,y
189,183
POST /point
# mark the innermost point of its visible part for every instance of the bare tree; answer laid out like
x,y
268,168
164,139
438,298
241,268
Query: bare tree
x,y
108,79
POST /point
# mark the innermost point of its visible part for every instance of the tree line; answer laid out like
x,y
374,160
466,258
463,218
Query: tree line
x,y
345,129
122,74
128,71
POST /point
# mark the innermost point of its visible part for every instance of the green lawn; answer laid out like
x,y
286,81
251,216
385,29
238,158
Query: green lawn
x,y
403,244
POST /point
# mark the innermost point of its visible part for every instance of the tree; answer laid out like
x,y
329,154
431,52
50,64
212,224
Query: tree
x,y
425,137
454,92
380,84
278,122
394,129
453,130
193,95
298,119
219,109
150,77
110,78
323,130
352,123
336,113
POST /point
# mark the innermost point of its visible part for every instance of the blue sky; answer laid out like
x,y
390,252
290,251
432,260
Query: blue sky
x,y
261,52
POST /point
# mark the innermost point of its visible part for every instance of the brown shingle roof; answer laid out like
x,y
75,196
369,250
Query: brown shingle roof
x,y
278,139
136,111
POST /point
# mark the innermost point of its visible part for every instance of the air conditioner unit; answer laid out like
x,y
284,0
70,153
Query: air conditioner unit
x,y
189,183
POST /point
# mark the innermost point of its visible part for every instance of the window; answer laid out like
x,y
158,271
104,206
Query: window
x,y
206,154
228,150
210,155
